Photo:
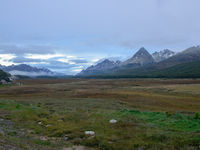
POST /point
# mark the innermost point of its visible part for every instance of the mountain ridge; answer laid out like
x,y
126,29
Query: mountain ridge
x,y
138,63
162,55
27,70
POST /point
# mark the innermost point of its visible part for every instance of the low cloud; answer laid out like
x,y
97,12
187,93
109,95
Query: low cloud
x,y
44,56
6,59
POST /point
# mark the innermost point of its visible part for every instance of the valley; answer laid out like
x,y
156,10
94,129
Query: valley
x,y
56,113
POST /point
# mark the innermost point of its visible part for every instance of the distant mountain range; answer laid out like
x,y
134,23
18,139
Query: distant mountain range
x,y
160,64
165,63
26,70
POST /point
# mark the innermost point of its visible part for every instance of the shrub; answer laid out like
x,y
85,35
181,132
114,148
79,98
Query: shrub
x,y
197,116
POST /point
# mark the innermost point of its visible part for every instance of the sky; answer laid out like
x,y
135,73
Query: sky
x,y
67,36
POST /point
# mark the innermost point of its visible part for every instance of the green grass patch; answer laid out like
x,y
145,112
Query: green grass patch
x,y
178,121
134,129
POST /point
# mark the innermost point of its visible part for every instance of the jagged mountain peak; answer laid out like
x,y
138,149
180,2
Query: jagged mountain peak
x,y
162,55
141,57
141,51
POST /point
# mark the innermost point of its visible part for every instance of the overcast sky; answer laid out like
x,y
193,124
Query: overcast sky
x,y
69,35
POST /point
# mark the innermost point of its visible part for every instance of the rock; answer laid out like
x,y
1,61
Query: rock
x,y
113,121
66,138
48,125
39,122
43,138
90,133
81,148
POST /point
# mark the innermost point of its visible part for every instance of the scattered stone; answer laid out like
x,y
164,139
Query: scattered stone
x,y
113,121
40,123
66,138
91,133
43,138
48,125
80,148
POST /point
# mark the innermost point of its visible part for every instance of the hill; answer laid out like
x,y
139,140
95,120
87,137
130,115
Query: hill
x,y
4,76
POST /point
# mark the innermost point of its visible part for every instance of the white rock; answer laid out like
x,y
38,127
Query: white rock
x,y
113,121
43,138
48,125
66,138
91,133
40,123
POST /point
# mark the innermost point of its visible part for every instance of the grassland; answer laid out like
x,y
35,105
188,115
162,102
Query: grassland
x,y
55,113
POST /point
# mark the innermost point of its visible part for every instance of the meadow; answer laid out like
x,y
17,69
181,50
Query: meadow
x,y
55,113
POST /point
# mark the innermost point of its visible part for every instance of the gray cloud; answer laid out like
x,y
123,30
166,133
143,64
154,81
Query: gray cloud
x,y
96,29
79,61
34,49
21,59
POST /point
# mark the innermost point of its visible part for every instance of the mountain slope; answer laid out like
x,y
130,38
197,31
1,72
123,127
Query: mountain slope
x,y
4,76
100,67
185,70
26,70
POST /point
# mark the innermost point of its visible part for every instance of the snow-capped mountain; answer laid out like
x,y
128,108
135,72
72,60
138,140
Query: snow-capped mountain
x,y
141,58
103,66
26,70
162,55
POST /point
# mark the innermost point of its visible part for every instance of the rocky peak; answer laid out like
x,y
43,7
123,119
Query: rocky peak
x,y
102,66
141,57
162,55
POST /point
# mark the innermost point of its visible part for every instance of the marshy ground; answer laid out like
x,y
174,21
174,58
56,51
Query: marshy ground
x,y
55,113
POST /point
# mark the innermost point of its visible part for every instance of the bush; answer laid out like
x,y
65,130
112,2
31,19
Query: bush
x,y
197,116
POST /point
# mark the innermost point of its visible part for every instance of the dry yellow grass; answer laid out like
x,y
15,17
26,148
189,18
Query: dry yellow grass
x,y
146,94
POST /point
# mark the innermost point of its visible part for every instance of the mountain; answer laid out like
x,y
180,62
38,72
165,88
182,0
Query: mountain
x,y
184,70
189,55
100,67
162,55
26,70
141,58
181,65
